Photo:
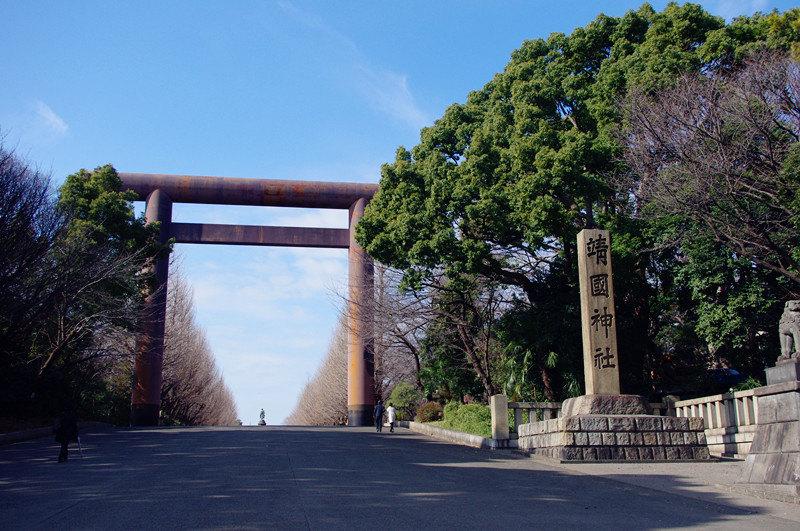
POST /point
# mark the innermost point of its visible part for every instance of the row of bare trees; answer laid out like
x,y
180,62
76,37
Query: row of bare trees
x,y
402,319
193,390
323,400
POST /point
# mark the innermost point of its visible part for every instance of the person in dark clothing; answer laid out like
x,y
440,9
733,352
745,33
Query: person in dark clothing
x,y
66,432
379,416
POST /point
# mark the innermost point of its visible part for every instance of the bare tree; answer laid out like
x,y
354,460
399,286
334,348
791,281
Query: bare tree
x,y
402,318
471,307
712,150
193,390
61,296
323,400
400,321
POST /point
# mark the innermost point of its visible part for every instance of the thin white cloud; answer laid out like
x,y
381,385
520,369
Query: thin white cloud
x,y
388,92
49,119
383,89
730,9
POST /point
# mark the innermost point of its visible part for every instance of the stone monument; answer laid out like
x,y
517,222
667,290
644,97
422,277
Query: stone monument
x,y
262,418
604,424
773,463
600,367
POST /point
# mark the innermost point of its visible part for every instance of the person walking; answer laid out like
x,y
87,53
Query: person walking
x,y
379,416
66,432
390,416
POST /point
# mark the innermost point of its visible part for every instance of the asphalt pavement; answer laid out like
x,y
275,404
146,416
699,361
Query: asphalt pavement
x,y
325,478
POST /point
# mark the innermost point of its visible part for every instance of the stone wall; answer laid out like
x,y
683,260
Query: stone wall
x,y
615,437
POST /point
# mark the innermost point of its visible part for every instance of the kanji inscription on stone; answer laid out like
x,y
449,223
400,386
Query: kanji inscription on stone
x,y
599,326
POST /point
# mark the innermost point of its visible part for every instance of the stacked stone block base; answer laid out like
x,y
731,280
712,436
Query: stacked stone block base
x,y
773,464
615,438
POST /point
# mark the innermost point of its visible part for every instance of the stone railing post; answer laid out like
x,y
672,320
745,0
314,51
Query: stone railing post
x,y
518,418
498,405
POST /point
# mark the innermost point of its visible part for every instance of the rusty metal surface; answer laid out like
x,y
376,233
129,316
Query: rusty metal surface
x,y
260,235
148,364
259,192
360,360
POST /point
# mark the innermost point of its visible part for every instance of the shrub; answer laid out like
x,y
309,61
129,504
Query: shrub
x,y
749,383
405,398
451,409
429,412
468,418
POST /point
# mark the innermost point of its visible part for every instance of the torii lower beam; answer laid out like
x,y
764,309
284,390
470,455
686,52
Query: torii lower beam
x,y
260,235
160,191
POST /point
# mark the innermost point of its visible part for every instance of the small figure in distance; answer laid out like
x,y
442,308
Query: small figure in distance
x,y
379,416
262,418
390,416
66,432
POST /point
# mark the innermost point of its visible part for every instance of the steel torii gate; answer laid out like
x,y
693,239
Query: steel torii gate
x,y
161,191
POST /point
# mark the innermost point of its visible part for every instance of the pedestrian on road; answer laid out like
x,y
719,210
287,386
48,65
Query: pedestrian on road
x,y
390,416
66,432
379,416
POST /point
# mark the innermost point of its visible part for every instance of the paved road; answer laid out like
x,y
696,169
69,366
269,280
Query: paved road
x,y
327,478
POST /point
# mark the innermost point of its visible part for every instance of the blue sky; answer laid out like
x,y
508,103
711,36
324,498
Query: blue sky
x,y
305,90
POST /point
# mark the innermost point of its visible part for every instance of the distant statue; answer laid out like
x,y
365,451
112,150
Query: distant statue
x,y
262,417
789,331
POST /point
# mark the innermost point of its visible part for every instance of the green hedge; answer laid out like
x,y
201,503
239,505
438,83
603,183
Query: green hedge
x,y
471,418
467,418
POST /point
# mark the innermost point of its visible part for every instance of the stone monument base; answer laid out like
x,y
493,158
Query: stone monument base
x,y
773,464
613,428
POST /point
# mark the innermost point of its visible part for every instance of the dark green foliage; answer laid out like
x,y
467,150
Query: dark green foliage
x,y
99,211
445,371
500,185
749,383
469,418
429,412
405,398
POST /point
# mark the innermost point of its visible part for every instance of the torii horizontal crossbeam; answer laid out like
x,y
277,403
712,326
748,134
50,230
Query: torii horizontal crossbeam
x,y
259,192
260,235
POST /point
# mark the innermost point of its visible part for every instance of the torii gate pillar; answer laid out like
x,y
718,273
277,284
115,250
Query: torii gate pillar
x,y
160,191
360,357
148,364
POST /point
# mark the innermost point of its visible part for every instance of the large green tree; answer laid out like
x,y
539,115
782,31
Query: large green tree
x,y
500,185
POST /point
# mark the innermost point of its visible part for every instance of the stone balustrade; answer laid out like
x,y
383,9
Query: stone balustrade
x,y
730,420
525,412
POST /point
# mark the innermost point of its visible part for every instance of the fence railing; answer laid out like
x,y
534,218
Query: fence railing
x,y
721,411
730,420
532,411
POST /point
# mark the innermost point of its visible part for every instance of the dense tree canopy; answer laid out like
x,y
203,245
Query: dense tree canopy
x,y
499,186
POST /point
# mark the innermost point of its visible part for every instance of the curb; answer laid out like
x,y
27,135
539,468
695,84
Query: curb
x,y
457,437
